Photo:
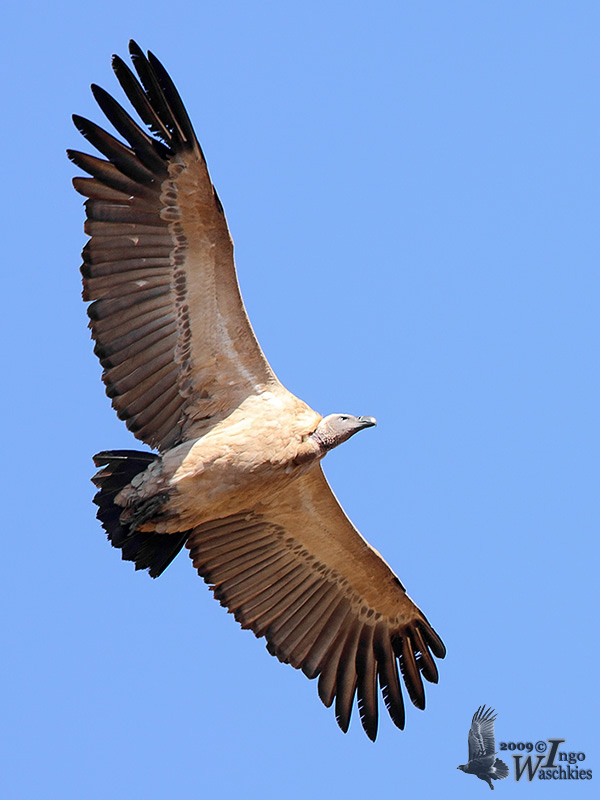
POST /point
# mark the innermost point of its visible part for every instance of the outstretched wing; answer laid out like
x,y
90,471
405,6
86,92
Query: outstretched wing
x,y
296,571
481,736
169,323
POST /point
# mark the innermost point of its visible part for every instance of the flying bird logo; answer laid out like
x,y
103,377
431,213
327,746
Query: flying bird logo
x,y
482,749
237,478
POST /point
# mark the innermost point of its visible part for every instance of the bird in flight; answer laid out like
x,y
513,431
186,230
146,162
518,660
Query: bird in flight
x,y
237,478
482,749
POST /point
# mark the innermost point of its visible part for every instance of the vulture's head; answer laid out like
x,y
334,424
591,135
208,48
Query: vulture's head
x,y
337,428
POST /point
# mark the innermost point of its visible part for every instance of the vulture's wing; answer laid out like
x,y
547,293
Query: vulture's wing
x,y
481,736
170,327
296,571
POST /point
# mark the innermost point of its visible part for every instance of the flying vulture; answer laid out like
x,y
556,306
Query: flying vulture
x,y
237,478
482,749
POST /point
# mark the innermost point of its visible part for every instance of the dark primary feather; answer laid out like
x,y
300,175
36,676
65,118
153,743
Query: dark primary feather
x,y
150,152
124,158
139,100
174,101
163,97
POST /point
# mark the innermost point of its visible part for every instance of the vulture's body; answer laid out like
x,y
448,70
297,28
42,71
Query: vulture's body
x,y
237,478
243,459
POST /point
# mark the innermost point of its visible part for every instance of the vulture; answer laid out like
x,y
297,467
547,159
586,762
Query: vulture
x,y
482,749
235,473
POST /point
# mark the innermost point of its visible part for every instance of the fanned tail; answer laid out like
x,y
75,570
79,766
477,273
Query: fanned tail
x,y
151,551
499,770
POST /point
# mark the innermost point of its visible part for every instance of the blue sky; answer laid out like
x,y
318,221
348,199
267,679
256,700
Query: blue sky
x,y
413,194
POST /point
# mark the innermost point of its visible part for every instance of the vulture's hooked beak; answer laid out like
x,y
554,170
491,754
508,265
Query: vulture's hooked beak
x,y
367,422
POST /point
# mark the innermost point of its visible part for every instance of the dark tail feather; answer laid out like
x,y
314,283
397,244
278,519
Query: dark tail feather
x,y
151,551
500,769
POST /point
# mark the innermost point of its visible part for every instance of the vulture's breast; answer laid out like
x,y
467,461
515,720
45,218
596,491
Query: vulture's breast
x,y
248,456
